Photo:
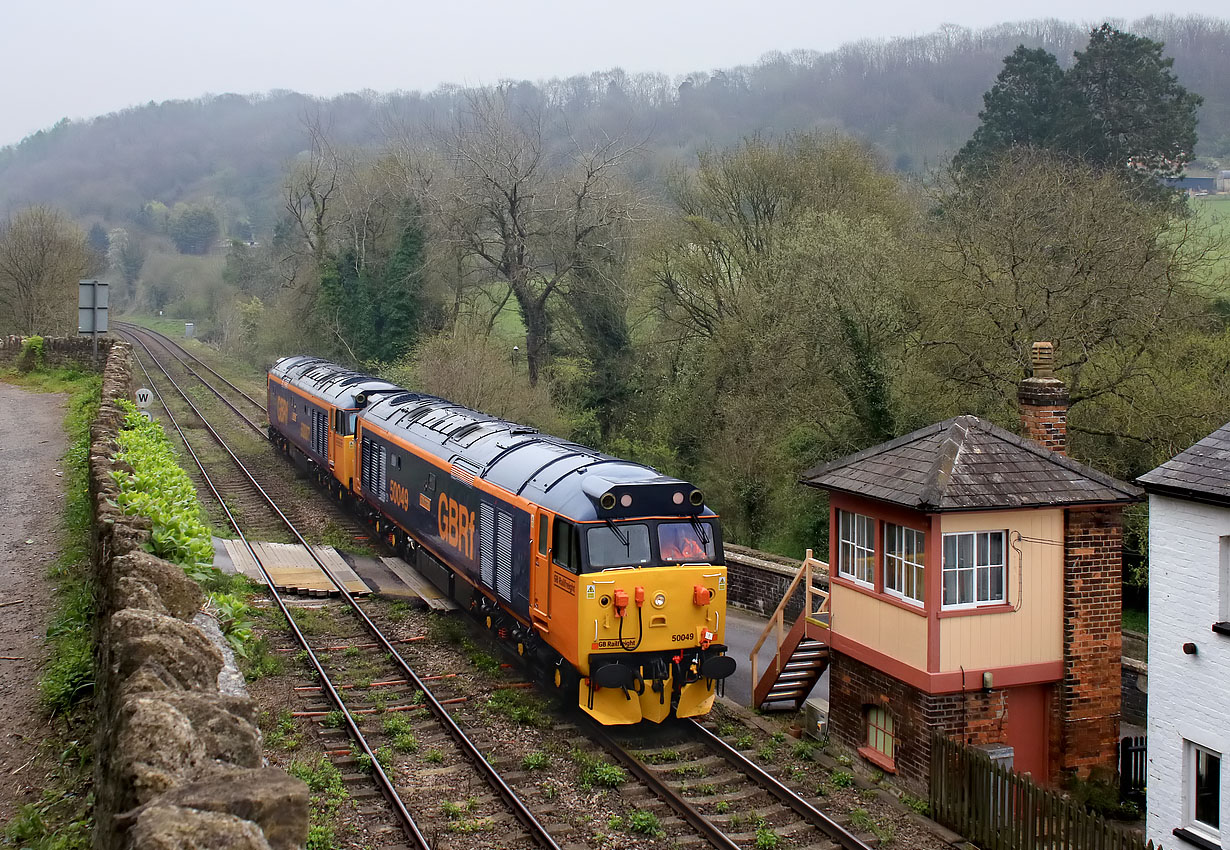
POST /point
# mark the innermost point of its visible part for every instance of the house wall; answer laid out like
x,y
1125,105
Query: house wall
x,y
1032,631
1187,693
897,633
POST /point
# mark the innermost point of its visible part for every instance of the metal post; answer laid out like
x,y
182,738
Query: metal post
x,y
94,310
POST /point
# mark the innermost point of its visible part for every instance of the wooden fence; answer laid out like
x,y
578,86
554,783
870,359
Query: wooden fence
x,y
998,809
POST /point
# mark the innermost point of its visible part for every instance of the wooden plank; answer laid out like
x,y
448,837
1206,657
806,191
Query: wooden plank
x,y
425,590
293,570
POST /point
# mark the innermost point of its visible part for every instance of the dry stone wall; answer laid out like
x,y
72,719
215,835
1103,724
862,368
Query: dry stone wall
x,y
178,764
59,351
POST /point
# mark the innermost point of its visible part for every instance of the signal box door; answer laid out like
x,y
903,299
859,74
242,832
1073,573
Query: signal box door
x,y
540,575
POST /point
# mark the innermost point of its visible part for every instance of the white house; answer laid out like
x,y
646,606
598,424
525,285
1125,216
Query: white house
x,y
1189,646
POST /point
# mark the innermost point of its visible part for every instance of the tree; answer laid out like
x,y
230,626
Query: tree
x,y
521,215
1049,249
1119,107
42,256
1127,108
1022,108
193,228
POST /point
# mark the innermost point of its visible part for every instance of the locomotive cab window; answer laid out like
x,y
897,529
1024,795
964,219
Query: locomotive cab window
x,y
543,537
685,541
343,423
565,546
395,461
618,545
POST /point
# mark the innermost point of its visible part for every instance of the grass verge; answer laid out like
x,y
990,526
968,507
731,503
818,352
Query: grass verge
x,y
61,819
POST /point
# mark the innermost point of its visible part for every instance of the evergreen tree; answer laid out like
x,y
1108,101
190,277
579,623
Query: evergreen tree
x,y
1119,107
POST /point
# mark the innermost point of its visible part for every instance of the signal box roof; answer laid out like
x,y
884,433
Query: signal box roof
x,y
966,463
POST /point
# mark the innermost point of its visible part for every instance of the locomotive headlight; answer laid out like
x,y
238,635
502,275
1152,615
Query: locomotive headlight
x,y
659,599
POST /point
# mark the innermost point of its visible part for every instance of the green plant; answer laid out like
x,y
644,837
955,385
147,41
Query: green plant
x,y
916,804
778,737
535,761
705,789
260,661
644,822
722,807
323,779
743,742
804,751
768,752
333,720
433,757
767,839
693,769
31,356
361,758
549,791
862,820
841,779
406,742
284,734
320,837
663,757
726,729
518,706
597,772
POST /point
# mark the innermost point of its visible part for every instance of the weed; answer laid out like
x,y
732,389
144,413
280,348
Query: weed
x,y
843,760
726,729
722,807
333,720
596,771
743,742
406,742
693,769
535,761
448,630
399,611
841,779
363,759
706,789
320,837
283,735
549,791
323,779
644,822
862,820
768,752
433,757
351,652
877,776
395,724
485,662
916,804
778,737
663,757
261,661
804,751
518,706
767,839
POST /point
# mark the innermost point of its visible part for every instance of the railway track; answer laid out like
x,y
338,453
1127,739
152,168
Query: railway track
x,y
532,832
715,796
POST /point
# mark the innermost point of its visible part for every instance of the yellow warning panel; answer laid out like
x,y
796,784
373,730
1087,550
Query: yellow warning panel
x,y
293,570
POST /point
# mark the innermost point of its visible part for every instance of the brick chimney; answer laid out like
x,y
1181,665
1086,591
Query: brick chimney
x,y
1044,401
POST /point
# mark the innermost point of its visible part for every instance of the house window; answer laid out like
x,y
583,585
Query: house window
x,y
1202,791
1223,582
974,568
880,731
904,558
856,547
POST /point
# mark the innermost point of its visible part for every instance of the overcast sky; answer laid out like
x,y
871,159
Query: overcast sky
x,y
81,58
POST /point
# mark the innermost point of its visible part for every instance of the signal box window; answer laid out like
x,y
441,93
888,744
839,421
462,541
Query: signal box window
x,y
974,568
565,548
685,541
904,562
856,556
881,747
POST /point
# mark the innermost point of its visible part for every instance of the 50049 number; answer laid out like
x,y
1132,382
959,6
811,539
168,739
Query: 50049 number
x,y
682,638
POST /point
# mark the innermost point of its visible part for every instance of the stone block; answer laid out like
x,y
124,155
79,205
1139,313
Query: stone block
x,y
177,828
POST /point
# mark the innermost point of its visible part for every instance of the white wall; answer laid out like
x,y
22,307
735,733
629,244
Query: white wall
x,y
1189,695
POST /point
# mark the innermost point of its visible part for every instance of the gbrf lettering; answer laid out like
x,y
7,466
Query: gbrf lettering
x,y
456,525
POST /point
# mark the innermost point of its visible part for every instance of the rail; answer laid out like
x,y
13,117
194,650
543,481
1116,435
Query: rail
x,y
536,830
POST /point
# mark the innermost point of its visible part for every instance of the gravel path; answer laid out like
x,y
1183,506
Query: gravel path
x,y
31,504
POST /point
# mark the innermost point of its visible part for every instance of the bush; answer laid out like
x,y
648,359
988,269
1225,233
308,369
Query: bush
x,y
31,355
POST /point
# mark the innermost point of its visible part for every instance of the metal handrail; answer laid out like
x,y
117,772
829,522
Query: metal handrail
x,y
777,619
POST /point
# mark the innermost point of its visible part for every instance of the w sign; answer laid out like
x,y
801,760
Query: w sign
x,y
144,397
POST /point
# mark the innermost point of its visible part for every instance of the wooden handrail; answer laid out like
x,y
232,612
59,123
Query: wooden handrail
x,y
777,619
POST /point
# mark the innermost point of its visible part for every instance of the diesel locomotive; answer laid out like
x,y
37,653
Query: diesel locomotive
x,y
606,576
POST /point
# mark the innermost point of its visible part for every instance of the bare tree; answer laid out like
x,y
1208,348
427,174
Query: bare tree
x,y
311,189
521,214
42,256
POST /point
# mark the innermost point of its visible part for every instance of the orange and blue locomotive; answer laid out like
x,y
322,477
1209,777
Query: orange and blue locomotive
x,y
601,572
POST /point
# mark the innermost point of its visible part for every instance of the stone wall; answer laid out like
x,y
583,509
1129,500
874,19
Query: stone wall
x,y
59,351
757,581
178,764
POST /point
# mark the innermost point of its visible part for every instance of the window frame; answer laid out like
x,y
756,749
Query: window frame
x,y
903,564
855,548
1190,763
568,527
975,567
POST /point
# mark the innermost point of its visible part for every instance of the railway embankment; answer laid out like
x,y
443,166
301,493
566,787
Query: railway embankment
x,y
177,762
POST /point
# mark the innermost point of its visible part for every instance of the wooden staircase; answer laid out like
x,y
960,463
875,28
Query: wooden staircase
x,y
800,660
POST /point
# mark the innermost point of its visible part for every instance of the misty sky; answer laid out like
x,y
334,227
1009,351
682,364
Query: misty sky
x,y
81,58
